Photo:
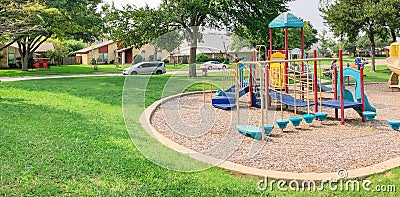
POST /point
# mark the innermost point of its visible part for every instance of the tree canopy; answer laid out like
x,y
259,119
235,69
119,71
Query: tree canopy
x,y
246,18
47,18
352,18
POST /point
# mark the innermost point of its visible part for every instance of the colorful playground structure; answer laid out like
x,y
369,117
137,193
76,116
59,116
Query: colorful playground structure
x,y
393,63
290,82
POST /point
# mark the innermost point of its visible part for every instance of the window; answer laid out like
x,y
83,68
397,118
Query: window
x,y
103,57
103,54
159,55
11,58
143,54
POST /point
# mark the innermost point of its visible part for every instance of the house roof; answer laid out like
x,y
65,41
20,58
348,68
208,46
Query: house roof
x,y
286,20
124,49
211,43
88,49
44,47
47,46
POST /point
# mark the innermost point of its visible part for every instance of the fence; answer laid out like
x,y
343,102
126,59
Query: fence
x,y
71,60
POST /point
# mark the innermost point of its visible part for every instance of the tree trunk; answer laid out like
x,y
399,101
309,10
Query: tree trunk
x,y
393,34
373,46
371,36
192,55
25,60
155,53
24,51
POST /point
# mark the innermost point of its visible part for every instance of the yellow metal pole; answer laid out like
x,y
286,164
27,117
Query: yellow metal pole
x,y
204,93
211,93
320,87
295,98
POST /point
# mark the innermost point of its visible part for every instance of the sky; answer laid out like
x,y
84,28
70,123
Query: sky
x,y
306,9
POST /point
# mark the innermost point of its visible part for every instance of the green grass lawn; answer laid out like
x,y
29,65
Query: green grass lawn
x,y
382,74
63,70
67,137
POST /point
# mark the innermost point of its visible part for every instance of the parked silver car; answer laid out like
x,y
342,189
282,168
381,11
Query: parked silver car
x,y
145,68
213,65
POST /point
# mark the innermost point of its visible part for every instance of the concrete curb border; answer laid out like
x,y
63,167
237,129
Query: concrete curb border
x,y
272,174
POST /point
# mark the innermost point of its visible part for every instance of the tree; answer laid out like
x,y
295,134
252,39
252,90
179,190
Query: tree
x,y
63,48
348,18
17,18
61,18
390,15
324,49
146,24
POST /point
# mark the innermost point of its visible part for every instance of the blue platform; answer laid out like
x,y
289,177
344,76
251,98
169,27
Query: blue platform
x,y
228,99
250,131
336,104
288,99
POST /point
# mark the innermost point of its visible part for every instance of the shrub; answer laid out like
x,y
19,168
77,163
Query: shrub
x,y
137,59
151,57
166,61
202,57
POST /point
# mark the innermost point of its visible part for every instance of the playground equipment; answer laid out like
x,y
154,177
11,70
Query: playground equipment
x,y
256,132
393,63
308,117
321,116
369,116
269,80
276,71
394,124
282,123
295,120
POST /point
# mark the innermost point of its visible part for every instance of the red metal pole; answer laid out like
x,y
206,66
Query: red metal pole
x,y
286,58
335,88
362,91
302,48
341,88
251,84
267,86
302,57
315,78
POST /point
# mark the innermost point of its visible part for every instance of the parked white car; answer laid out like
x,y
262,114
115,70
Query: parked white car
x,y
145,68
213,65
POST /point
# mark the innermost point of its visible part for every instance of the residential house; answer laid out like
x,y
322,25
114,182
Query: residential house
x,y
148,53
103,53
11,58
212,45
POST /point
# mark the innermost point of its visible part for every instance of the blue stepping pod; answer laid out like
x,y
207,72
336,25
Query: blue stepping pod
x,y
282,124
369,115
295,120
268,128
308,118
394,124
321,116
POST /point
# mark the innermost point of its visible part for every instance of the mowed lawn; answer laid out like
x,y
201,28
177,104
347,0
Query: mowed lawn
x,y
64,70
68,137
